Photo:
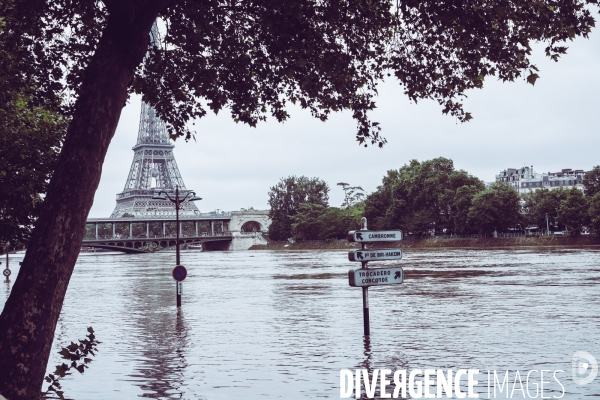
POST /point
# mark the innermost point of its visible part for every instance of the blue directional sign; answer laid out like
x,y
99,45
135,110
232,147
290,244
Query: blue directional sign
x,y
179,273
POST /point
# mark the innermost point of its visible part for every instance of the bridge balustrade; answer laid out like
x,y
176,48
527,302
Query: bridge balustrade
x,y
149,234
146,229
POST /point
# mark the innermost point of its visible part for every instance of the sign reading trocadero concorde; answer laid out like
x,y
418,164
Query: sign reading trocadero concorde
x,y
375,276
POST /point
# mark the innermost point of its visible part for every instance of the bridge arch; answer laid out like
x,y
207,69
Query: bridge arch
x,y
247,226
252,226
249,220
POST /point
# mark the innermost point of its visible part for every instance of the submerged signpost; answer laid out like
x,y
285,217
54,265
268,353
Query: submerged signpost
x,y
6,272
179,274
375,255
365,276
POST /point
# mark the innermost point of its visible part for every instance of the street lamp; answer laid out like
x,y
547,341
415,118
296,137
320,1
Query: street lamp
x,y
189,196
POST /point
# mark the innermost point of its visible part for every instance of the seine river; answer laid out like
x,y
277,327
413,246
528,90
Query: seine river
x,y
268,324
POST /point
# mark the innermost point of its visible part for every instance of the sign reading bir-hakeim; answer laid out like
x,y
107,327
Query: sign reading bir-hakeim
x,y
155,199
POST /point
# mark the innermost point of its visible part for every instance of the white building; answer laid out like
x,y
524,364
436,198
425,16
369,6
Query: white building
x,y
525,180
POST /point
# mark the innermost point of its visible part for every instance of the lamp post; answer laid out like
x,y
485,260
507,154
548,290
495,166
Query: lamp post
x,y
189,196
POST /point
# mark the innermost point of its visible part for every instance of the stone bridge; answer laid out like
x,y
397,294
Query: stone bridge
x,y
247,227
237,230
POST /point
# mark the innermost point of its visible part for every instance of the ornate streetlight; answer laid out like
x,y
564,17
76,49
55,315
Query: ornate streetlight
x,y
189,196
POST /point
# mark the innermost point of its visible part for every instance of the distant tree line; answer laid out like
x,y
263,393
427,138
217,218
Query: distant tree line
x,y
299,208
431,198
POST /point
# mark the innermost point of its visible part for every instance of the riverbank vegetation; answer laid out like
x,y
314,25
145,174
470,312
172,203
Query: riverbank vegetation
x,y
429,199
445,243
299,208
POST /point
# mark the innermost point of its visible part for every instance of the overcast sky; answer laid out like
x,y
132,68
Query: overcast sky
x,y
551,126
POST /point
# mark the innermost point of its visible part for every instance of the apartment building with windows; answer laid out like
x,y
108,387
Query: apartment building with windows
x,y
526,180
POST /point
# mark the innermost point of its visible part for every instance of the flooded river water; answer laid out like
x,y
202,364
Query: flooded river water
x,y
269,324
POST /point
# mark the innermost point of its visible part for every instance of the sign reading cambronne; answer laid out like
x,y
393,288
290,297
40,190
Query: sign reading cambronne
x,y
375,276
364,236
365,255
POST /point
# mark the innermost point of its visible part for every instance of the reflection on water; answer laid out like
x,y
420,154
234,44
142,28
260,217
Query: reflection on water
x,y
161,361
282,324
7,286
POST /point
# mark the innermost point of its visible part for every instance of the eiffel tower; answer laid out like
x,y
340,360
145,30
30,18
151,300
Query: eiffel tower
x,y
153,168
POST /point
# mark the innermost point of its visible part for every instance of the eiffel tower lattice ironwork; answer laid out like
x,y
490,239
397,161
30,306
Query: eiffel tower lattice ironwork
x,y
153,168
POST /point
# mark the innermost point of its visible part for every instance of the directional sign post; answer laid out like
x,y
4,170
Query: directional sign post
x,y
375,255
179,274
375,276
365,236
365,276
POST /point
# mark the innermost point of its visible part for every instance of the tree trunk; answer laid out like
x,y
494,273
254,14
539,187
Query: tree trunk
x,y
29,318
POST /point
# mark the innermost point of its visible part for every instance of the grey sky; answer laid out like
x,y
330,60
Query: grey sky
x,y
551,126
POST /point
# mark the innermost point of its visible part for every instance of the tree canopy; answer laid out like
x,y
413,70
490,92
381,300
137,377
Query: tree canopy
x,y
317,222
541,203
29,145
31,132
594,213
432,198
352,194
591,182
495,209
254,57
463,201
286,199
573,211
419,197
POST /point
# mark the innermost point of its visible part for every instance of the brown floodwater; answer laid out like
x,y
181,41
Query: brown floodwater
x,y
269,324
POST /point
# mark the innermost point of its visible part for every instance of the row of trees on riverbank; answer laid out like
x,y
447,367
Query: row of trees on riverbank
x,y
431,198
